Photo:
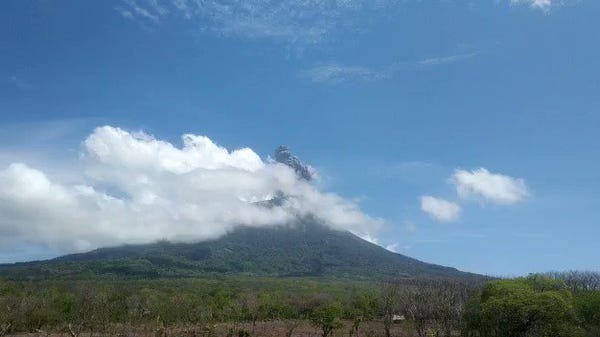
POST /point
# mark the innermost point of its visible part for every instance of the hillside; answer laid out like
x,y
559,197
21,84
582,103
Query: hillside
x,y
306,249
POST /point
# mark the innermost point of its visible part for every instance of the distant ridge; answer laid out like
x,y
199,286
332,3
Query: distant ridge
x,y
305,249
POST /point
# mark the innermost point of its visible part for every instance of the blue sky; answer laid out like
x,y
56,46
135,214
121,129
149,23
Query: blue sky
x,y
387,100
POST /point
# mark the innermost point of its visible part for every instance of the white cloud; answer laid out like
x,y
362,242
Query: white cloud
x,y
394,247
367,236
335,73
140,189
124,12
491,187
440,209
543,5
136,9
539,4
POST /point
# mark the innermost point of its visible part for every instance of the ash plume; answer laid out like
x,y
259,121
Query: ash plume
x,y
284,156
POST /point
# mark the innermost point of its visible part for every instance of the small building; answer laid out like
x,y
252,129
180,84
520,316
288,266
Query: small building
x,y
398,318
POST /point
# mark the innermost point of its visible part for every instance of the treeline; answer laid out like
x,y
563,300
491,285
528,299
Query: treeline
x,y
80,306
550,305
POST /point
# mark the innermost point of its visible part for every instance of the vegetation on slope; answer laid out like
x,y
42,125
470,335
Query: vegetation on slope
x,y
305,249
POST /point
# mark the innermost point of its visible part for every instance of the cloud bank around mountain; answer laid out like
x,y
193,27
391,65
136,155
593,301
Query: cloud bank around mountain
x,y
141,189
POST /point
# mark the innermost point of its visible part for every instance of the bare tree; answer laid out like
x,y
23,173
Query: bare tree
x,y
435,306
290,326
9,307
92,311
251,305
73,332
390,292
4,329
578,280
5,312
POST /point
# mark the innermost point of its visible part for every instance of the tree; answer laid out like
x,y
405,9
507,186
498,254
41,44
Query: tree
x,y
251,306
420,304
578,280
533,306
290,325
390,292
5,310
450,298
328,318
435,306
86,309
363,308
587,305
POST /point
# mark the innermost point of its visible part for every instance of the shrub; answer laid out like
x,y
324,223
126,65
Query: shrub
x,y
587,306
328,318
529,307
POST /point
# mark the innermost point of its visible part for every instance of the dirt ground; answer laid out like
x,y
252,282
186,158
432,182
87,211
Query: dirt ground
x,y
261,329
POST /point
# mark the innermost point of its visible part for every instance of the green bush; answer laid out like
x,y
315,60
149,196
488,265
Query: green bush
x,y
328,318
587,305
524,307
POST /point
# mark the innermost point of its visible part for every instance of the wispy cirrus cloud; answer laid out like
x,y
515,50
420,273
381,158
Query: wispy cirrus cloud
x,y
295,21
134,9
306,21
538,4
18,82
434,61
338,73
335,74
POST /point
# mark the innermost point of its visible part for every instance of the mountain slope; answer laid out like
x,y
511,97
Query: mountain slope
x,y
306,249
